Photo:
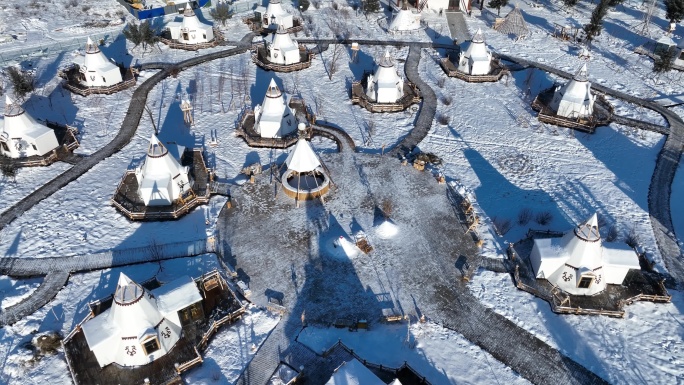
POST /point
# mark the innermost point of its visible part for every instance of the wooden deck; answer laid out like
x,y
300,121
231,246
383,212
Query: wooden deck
x,y
358,96
66,138
72,84
245,128
639,285
603,112
498,70
127,200
218,40
221,307
260,58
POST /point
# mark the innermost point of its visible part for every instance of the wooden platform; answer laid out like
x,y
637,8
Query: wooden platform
x,y
72,83
603,112
245,128
260,58
639,285
221,307
166,39
498,70
127,200
66,138
410,96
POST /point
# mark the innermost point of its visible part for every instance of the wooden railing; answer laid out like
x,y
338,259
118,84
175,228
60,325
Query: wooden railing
x,y
496,73
410,97
218,39
305,60
189,364
85,91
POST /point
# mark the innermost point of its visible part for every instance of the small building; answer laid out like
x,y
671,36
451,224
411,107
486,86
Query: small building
x,y
141,326
513,24
275,118
574,99
580,263
21,136
385,86
95,69
476,60
282,49
405,21
274,16
190,30
353,372
161,178
305,177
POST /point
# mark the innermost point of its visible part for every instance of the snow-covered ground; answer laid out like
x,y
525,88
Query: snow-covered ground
x,y
493,146
439,354
12,291
229,352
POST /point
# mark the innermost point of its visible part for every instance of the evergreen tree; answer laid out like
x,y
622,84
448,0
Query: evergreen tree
x,y
615,3
304,5
23,82
674,10
593,29
221,12
663,61
142,34
497,4
570,3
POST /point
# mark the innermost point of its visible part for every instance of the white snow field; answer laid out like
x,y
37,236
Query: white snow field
x,y
492,146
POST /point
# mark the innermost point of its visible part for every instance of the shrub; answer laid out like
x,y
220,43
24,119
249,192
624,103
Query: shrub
x,y
446,99
632,238
543,218
304,5
524,216
221,13
443,119
612,234
23,82
501,225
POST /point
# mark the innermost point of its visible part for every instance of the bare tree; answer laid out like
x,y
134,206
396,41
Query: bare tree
x,y
332,64
156,253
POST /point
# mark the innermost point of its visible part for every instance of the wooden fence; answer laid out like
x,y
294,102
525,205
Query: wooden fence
x,y
411,96
218,40
497,72
128,82
305,62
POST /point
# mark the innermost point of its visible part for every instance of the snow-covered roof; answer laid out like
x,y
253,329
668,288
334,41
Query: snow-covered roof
x,y
302,158
353,373
177,294
583,245
17,123
275,8
477,49
405,20
274,102
94,59
666,40
159,175
281,40
386,74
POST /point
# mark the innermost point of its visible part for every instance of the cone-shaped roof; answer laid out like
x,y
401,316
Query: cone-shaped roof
x,y
12,108
582,74
588,230
302,158
479,36
91,47
514,24
188,11
156,149
584,245
386,60
127,291
405,20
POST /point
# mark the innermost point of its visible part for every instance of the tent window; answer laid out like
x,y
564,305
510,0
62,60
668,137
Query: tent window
x,y
5,147
205,36
585,282
151,346
34,147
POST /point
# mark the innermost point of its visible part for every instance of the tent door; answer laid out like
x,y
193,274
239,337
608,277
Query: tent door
x,y
453,5
185,36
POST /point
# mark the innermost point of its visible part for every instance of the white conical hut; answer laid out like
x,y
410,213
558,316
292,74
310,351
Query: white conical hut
x,y
140,326
21,135
95,69
580,263
161,178
476,60
353,372
276,17
385,86
574,99
405,20
274,118
282,49
305,177
513,24
190,30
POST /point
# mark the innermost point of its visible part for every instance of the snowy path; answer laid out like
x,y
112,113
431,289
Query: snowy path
x,y
661,183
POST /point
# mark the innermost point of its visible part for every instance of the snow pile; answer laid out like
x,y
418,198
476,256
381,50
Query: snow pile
x,y
342,248
386,230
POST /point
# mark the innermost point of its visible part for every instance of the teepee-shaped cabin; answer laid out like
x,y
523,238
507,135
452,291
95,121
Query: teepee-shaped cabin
x,y
21,135
476,60
282,49
276,17
574,99
513,24
580,263
161,178
190,30
305,177
353,372
385,86
140,326
405,20
274,118
95,70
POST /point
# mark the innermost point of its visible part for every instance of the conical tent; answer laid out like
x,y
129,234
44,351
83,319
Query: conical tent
x,y
353,372
574,99
190,30
513,24
385,86
405,20
97,70
274,118
161,178
476,60
276,16
21,135
282,49
302,158
580,263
